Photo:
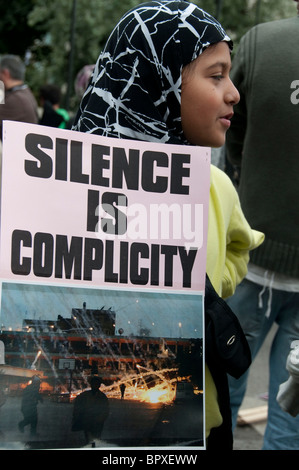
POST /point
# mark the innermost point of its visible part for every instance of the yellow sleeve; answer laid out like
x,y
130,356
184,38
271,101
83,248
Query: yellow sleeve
x,y
230,238
240,240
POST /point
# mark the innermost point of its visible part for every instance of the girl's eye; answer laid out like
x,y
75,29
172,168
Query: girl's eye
x,y
217,77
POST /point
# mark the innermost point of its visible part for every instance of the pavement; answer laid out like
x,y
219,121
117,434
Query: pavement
x,y
249,435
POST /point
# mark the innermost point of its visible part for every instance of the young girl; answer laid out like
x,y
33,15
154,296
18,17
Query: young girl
x,y
164,77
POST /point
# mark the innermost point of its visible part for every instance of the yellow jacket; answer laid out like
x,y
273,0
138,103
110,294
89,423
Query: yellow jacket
x,y
230,238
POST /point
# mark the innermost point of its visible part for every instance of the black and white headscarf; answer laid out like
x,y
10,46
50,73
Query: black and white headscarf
x,y
135,91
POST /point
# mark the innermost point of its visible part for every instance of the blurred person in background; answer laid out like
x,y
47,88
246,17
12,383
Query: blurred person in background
x,y
53,114
263,141
19,102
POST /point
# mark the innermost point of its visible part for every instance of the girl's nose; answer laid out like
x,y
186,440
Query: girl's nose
x,y
233,96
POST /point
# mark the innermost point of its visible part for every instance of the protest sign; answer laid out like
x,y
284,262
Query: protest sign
x,y
102,263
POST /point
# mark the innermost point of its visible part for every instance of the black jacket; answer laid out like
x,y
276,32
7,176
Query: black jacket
x,y
226,352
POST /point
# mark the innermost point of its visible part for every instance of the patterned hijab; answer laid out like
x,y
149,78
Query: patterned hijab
x,y
135,91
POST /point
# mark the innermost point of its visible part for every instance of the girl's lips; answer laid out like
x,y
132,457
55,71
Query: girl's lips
x,y
226,120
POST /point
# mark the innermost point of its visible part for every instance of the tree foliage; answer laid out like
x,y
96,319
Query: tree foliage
x,y
16,35
43,30
93,22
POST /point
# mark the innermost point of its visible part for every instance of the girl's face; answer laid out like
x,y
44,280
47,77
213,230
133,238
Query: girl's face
x,y
208,96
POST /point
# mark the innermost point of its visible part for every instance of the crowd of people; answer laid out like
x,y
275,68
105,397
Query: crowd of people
x,y
165,75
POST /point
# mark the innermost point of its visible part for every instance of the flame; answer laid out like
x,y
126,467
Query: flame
x,y
158,395
137,388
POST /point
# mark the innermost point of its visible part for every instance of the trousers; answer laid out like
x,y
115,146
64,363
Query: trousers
x,y
258,309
